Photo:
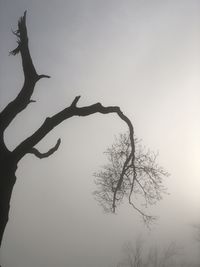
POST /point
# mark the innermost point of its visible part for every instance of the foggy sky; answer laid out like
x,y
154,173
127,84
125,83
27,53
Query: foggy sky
x,y
141,55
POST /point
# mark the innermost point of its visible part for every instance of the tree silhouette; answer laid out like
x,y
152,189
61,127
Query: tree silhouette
x,y
134,256
9,159
147,184
197,232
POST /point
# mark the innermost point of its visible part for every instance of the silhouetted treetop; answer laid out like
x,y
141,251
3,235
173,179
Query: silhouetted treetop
x,y
143,181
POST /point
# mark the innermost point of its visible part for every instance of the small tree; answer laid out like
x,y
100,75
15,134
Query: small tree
x,y
119,179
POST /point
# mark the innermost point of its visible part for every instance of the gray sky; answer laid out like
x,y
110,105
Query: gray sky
x,y
141,55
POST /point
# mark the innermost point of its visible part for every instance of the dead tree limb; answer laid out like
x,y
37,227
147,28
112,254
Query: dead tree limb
x,y
9,159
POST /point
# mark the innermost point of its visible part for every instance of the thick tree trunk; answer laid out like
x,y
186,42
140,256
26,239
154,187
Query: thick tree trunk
x,y
7,181
5,196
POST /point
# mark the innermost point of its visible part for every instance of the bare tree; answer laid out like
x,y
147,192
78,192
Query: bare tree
x,y
169,255
134,256
9,159
164,258
144,178
197,231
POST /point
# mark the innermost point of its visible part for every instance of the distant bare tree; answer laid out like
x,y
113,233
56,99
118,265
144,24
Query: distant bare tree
x,y
197,232
135,256
132,255
168,257
145,179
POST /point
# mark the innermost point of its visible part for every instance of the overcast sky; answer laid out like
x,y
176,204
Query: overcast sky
x,y
141,55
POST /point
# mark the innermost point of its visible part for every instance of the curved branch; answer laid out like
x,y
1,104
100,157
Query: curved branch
x,y
40,155
41,76
65,114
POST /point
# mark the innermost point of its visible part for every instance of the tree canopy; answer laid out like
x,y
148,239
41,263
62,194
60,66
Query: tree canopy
x,y
141,182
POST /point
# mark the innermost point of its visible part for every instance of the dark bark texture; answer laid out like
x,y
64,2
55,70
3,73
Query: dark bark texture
x,y
6,186
10,159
